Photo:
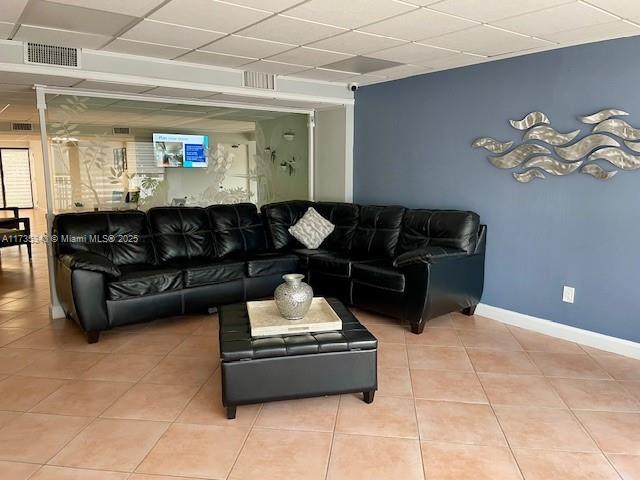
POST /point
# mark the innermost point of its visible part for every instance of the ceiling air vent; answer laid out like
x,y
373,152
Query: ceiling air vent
x,y
41,54
22,127
121,131
266,81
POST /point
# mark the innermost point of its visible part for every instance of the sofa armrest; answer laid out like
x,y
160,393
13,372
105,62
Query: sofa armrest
x,y
427,255
92,262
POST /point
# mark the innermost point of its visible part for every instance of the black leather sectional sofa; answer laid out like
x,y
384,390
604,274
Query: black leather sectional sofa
x,y
119,268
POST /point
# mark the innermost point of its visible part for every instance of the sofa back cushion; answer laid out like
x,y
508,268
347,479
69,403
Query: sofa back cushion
x,y
279,216
345,218
377,231
122,237
237,229
439,228
181,233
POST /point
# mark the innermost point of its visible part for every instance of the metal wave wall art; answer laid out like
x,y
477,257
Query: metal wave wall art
x,y
548,135
605,142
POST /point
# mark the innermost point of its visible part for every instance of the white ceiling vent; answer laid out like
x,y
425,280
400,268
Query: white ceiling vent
x,y
21,127
266,81
41,54
121,131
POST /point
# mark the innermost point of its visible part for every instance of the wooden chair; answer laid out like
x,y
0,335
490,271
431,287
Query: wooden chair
x,y
15,231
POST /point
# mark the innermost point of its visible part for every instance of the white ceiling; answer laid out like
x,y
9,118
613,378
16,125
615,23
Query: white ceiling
x,y
300,38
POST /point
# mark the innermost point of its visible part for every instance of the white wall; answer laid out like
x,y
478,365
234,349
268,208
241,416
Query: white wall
x,y
333,155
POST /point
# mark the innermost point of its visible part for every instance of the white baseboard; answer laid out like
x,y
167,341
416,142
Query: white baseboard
x,y
56,311
565,332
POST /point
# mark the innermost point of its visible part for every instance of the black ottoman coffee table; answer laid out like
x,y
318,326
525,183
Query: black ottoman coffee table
x,y
281,367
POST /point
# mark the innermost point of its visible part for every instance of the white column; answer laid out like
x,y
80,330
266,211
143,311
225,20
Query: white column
x,y
311,125
41,105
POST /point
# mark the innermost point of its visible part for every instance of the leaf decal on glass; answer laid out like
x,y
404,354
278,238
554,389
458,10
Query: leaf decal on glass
x,y
491,144
602,115
618,127
528,175
597,171
551,165
549,135
617,157
534,118
518,155
585,145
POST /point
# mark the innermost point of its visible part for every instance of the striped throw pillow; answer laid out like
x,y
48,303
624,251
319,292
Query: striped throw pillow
x,y
311,229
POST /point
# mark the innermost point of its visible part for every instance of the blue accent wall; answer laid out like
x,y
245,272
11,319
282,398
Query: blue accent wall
x,y
413,147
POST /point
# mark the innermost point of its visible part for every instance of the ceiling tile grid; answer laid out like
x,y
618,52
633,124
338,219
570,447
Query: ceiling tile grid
x,y
328,40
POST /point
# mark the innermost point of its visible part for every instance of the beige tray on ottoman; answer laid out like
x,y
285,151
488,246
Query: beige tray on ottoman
x,y
265,319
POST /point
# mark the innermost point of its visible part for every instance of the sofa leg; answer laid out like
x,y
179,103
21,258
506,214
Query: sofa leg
x,y
368,396
469,311
417,328
231,412
93,336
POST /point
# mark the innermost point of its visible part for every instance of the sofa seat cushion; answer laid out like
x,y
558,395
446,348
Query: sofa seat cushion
x,y
337,264
197,273
304,254
271,263
140,280
379,274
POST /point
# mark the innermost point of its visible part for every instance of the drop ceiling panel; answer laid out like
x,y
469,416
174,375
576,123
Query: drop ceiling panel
x,y
402,71
557,19
52,36
170,34
246,47
208,14
594,33
348,14
484,40
625,8
5,29
290,30
309,56
11,10
411,53
137,8
418,25
277,68
455,61
65,17
357,43
269,5
491,10
145,49
324,75
360,65
215,59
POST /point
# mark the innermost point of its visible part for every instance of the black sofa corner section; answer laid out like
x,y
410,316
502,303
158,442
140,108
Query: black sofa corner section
x,y
120,268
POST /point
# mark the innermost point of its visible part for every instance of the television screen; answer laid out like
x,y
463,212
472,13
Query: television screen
x,y
177,150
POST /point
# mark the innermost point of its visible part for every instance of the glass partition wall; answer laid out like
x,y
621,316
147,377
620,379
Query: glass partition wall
x,y
110,153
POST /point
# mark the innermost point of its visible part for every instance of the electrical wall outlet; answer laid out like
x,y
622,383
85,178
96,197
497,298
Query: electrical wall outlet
x,y
568,293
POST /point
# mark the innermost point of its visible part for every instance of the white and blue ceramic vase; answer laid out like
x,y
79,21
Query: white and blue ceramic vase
x,y
293,297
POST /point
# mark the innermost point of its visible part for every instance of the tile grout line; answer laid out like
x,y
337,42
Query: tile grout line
x,y
506,439
333,435
570,410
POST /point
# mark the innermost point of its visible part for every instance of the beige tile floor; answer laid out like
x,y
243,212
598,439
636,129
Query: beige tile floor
x,y
469,399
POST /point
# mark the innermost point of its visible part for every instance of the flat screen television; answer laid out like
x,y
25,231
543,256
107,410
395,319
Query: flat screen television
x,y
178,150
